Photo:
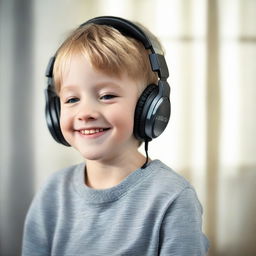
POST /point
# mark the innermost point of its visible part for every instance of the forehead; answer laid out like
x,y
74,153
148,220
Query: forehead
x,y
78,72
78,63
78,68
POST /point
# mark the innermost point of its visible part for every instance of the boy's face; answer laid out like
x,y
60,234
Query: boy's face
x,y
97,111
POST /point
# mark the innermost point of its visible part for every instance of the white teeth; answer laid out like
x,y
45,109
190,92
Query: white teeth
x,y
91,131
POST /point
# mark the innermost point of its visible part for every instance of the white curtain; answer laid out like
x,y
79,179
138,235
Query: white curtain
x,y
211,53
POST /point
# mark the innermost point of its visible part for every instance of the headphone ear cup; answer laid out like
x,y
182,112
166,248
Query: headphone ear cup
x,y
52,113
141,110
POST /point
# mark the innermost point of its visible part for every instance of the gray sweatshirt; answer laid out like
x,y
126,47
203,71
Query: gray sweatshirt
x,y
153,211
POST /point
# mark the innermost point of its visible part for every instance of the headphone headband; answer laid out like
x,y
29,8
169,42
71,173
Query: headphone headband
x,y
125,27
128,28
157,59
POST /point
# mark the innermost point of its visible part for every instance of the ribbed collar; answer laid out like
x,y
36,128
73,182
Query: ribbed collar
x,y
99,196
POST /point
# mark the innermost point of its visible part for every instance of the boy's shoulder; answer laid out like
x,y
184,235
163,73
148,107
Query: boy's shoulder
x,y
166,177
166,186
49,197
67,171
60,180
64,173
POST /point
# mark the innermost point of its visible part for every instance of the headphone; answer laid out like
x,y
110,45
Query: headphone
x,y
153,109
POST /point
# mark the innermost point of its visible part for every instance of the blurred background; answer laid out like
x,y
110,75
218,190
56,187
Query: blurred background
x,y
211,52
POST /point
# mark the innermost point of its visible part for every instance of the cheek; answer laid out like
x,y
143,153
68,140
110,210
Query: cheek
x,y
64,122
123,120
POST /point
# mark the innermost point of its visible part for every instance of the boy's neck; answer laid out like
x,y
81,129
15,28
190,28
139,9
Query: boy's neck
x,y
103,175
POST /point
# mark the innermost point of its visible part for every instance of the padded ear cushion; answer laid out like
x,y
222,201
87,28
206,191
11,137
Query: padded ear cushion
x,y
52,112
55,111
141,112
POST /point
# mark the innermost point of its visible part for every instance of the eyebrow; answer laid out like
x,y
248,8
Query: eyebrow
x,y
97,86
107,84
66,88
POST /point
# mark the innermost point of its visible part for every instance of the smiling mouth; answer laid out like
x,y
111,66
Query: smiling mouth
x,y
93,131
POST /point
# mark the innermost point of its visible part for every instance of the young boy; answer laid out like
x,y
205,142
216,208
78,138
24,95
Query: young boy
x,y
118,202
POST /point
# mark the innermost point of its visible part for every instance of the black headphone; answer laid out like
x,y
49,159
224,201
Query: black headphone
x,y
153,108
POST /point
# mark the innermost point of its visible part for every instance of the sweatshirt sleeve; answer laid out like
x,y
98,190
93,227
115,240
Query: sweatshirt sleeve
x,y
181,232
38,227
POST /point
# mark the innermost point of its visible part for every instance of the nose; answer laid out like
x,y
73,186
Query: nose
x,y
87,110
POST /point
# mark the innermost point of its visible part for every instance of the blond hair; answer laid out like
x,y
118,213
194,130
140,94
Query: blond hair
x,y
108,51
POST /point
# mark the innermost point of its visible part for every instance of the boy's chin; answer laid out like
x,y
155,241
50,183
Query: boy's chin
x,y
90,156
100,157
93,156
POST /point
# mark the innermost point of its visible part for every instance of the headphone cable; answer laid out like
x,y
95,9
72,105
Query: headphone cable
x,y
146,150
